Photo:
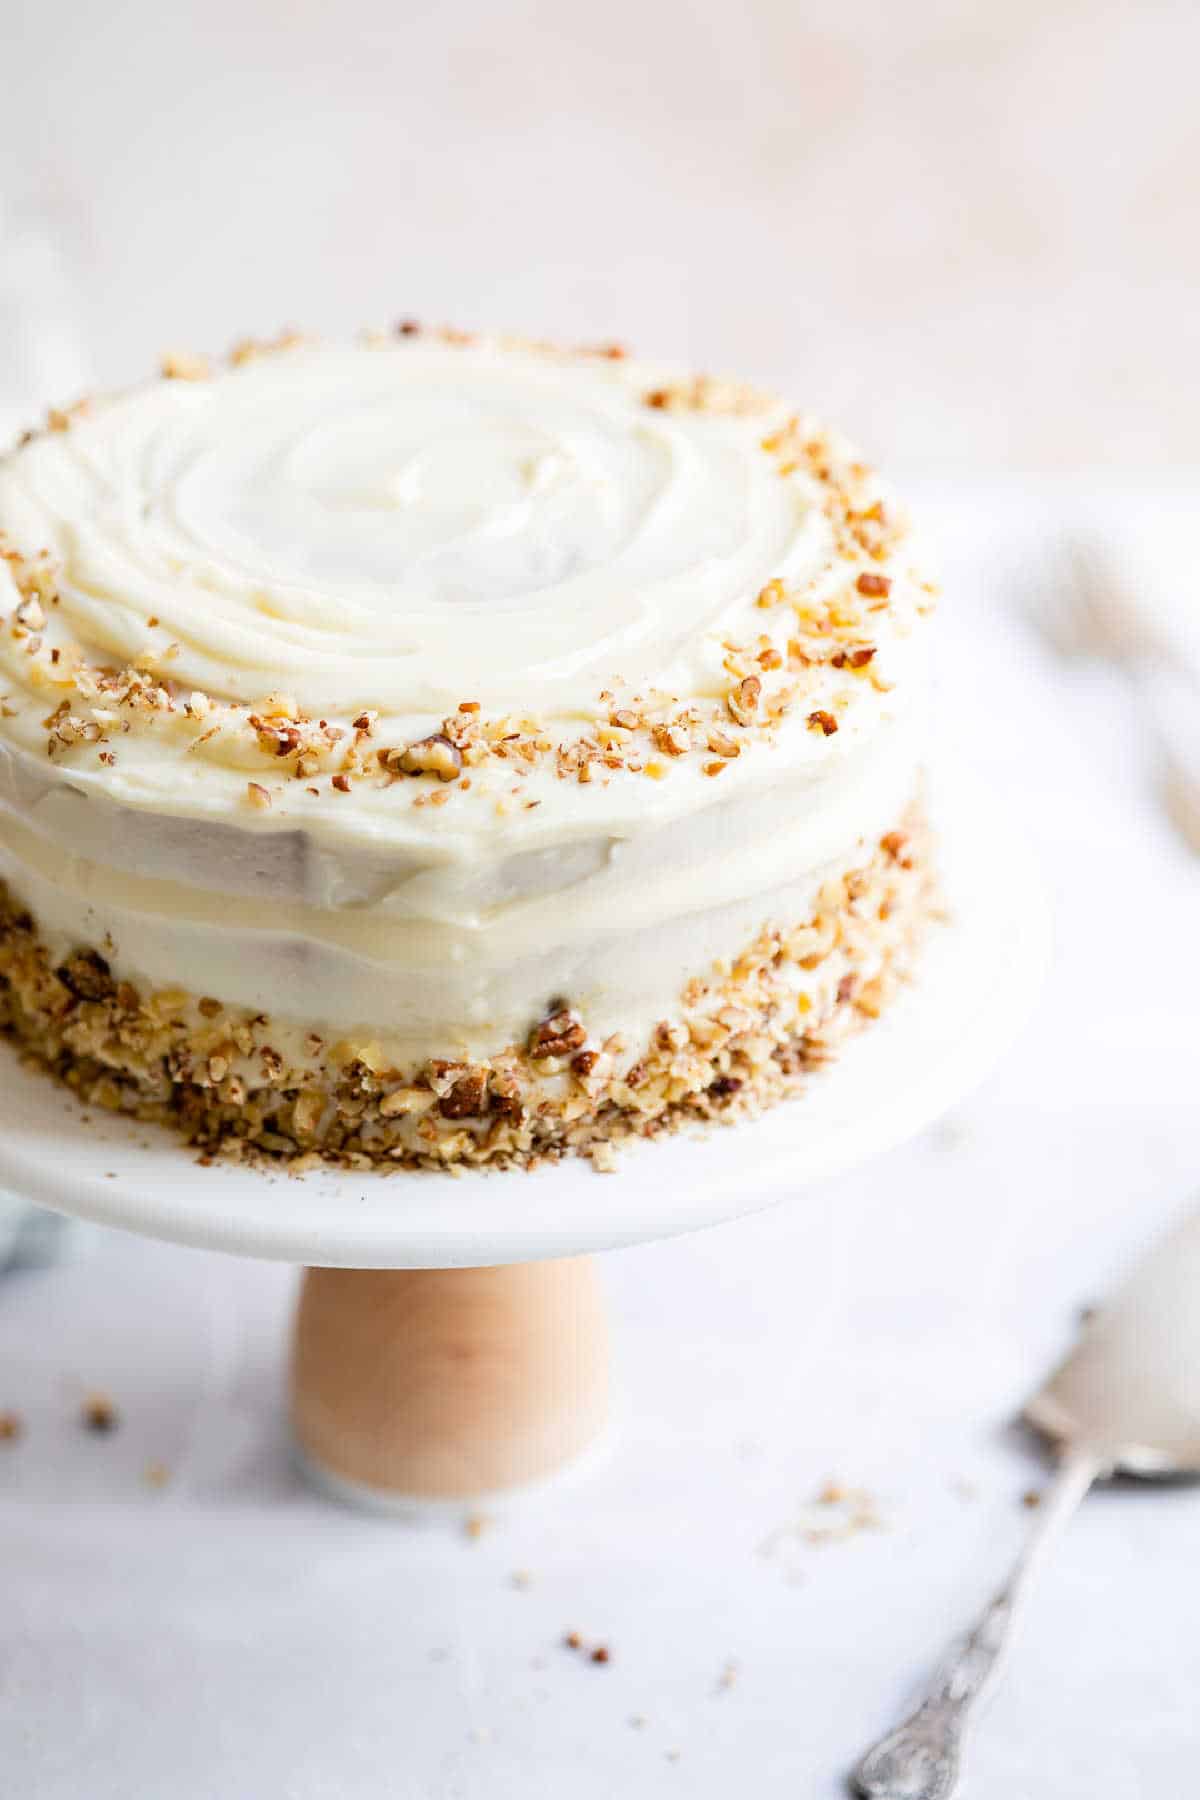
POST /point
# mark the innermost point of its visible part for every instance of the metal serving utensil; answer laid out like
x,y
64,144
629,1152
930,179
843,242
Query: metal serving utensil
x,y
1126,1401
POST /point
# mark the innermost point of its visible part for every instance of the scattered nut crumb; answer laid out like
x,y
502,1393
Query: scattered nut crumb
x,y
99,1414
874,585
185,365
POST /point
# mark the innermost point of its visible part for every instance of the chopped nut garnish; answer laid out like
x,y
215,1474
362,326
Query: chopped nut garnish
x,y
88,976
185,365
467,1099
99,1414
434,755
306,1114
874,585
342,783
31,614
822,721
743,702
558,1035
258,796
673,739
715,768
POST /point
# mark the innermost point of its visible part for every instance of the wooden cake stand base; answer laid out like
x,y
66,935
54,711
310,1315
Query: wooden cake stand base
x,y
448,1384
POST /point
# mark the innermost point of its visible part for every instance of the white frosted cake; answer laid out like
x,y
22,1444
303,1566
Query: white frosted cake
x,y
443,750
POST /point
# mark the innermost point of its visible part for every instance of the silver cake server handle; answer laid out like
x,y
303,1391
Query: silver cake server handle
x,y
922,1758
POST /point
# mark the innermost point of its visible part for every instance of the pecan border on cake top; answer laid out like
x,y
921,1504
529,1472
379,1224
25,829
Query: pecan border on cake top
x,y
808,634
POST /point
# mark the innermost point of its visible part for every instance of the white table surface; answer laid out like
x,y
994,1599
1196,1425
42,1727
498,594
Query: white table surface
x,y
232,1637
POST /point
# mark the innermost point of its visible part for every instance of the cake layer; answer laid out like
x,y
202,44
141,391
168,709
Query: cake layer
x,y
743,1036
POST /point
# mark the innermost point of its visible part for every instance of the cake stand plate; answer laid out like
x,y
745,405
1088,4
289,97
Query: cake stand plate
x,y
477,1363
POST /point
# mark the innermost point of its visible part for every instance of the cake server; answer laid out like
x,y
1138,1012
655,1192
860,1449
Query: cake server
x,y
1126,1401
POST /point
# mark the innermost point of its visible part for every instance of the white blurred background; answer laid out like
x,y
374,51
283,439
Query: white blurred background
x,y
970,231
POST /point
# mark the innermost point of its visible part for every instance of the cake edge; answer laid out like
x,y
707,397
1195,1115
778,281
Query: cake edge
x,y
745,1037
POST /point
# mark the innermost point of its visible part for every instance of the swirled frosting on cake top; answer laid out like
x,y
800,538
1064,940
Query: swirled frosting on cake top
x,y
395,530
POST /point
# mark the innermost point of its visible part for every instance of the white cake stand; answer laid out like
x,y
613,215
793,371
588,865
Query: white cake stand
x,y
450,1341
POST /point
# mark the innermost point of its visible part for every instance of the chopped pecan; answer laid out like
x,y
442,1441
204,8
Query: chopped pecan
x,y
505,1099
874,585
673,740
87,976
467,1098
558,1035
822,721
185,365
434,755
743,701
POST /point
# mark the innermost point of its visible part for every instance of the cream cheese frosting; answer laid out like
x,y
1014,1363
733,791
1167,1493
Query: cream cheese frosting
x,y
597,585
397,529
